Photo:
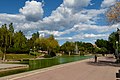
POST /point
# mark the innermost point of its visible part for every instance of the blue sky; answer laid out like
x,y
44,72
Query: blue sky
x,y
67,20
13,6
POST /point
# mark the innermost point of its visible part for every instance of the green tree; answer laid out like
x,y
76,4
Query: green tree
x,y
4,39
32,40
113,37
52,45
85,47
68,47
41,43
20,41
11,28
35,36
104,44
11,33
49,44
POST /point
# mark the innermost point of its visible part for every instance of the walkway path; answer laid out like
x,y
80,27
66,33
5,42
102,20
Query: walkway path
x,y
9,66
105,69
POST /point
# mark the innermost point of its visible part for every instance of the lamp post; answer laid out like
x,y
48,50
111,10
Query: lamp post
x,y
117,43
34,51
117,49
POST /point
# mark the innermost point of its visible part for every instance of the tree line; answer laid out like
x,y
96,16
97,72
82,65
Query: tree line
x,y
16,42
110,45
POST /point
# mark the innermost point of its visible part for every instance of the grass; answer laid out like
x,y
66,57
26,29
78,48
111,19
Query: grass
x,y
15,71
35,54
17,56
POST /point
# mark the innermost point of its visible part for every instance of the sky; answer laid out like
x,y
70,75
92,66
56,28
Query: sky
x,y
67,20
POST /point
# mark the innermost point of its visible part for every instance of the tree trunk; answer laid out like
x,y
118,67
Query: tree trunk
x,y
4,55
69,53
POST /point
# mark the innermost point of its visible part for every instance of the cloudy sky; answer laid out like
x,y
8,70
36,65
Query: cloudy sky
x,y
67,20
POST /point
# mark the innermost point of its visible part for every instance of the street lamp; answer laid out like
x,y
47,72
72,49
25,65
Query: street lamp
x,y
117,48
117,43
34,50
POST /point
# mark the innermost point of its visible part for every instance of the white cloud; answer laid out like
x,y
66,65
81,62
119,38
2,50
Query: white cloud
x,y
82,36
76,5
108,3
33,10
67,22
95,35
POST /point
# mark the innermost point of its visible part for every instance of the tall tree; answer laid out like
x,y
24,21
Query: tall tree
x,y
5,39
113,37
11,33
20,40
11,28
52,44
34,37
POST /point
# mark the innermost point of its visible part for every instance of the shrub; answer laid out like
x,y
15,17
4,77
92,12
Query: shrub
x,y
17,50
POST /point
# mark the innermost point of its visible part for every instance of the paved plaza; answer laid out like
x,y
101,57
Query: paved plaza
x,y
104,69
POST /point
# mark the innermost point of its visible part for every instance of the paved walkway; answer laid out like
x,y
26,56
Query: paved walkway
x,y
105,69
7,66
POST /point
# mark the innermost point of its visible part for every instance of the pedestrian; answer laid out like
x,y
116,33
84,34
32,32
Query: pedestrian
x,y
95,58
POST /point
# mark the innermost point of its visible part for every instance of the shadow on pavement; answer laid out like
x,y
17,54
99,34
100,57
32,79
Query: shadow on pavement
x,y
104,63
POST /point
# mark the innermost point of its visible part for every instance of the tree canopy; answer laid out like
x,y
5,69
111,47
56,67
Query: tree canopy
x,y
113,13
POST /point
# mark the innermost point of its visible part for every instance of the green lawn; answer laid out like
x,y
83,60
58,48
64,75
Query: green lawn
x,y
17,56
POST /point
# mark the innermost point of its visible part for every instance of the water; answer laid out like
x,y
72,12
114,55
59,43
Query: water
x,y
42,63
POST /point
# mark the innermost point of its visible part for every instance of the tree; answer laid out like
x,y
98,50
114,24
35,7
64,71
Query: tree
x,y
68,47
113,37
20,41
113,14
11,33
106,45
32,40
49,44
11,28
4,39
52,45
35,35
89,47
41,43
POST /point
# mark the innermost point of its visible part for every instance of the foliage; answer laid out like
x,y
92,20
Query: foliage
x,y
47,44
104,45
108,46
113,13
41,43
68,47
19,40
113,37
82,47
18,56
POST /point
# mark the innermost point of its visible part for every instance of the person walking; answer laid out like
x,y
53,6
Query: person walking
x,y
95,58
